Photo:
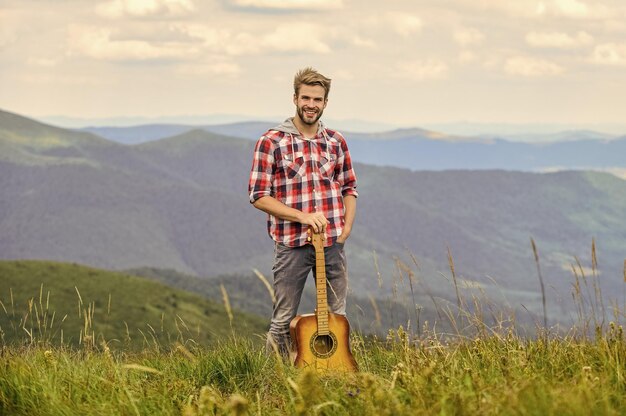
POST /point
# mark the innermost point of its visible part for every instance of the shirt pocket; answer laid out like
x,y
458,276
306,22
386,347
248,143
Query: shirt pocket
x,y
292,165
328,161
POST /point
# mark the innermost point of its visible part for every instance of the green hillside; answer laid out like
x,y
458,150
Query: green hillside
x,y
30,142
53,301
367,315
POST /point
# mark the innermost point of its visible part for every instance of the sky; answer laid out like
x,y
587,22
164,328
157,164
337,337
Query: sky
x,y
399,62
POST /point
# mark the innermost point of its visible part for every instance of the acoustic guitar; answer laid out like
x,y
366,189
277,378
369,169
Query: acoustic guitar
x,y
322,339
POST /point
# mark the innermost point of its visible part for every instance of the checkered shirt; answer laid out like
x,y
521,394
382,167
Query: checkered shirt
x,y
309,175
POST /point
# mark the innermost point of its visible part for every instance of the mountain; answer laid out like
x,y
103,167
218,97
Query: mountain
x,y
150,132
420,149
422,152
60,301
181,203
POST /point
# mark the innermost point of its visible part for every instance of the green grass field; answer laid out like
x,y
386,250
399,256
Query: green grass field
x,y
477,370
62,303
496,375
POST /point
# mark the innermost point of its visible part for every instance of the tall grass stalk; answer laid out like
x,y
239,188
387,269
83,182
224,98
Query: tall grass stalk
x,y
543,288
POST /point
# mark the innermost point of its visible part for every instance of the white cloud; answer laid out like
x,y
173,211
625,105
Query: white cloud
x,y
99,43
466,57
296,37
403,23
145,8
43,62
288,37
517,8
421,70
610,54
573,9
531,67
216,66
289,4
186,42
558,40
576,9
357,40
468,36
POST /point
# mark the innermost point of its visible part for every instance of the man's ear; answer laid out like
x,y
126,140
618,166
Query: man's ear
x,y
295,100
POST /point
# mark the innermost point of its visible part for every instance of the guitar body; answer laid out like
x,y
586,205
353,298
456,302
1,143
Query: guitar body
x,y
329,352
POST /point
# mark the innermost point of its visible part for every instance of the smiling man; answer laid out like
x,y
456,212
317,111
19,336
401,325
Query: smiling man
x,y
302,177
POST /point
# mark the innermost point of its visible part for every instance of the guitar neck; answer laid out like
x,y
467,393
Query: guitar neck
x,y
320,283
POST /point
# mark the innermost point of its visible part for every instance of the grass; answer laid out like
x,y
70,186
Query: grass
x,y
61,303
493,375
474,368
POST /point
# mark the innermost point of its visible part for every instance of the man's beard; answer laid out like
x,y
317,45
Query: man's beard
x,y
307,121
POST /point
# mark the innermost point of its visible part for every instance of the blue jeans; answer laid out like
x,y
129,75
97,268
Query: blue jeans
x,y
291,269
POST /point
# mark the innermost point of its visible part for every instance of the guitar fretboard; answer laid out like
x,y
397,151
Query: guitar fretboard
x,y
320,282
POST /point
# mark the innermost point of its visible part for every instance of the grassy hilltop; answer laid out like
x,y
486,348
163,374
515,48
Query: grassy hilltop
x,y
61,302
201,367
491,374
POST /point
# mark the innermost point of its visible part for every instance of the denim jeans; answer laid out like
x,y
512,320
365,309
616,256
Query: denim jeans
x,y
291,269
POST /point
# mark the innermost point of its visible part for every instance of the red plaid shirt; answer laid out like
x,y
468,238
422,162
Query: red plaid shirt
x,y
309,175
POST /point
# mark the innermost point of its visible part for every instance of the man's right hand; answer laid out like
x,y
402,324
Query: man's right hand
x,y
316,220
272,206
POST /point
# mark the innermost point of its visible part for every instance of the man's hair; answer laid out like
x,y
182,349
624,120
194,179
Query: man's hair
x,y
310,76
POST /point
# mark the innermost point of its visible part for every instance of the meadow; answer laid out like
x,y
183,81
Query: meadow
x,y
473,368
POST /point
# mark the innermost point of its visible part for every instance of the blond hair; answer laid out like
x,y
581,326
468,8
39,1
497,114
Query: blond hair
x,y
310,76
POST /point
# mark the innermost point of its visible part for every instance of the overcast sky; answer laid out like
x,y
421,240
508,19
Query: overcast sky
x,y
403,62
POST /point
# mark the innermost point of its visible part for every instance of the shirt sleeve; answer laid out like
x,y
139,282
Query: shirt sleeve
x,y
262,172
345,173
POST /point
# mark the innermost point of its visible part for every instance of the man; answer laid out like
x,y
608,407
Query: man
x,y
302,177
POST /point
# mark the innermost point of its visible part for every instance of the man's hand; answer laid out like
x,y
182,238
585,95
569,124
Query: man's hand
x,y
344,236
316,220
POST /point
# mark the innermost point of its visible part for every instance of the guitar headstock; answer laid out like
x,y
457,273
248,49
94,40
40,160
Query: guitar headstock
x,y
317,239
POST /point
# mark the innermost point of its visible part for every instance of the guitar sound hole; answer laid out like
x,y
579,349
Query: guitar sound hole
x,y
323,346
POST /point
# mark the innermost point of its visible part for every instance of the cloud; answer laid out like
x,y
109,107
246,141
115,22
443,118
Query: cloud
x,y
43,62
215,66
100,43
466,57
357,40
115,9
531,67
610,54
296,37
572,9
575,9
509,7
289,4
558,40
468,36
422,70
288,37
403,23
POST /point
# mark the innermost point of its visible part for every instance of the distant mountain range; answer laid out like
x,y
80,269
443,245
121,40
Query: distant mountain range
x,y
420,149
181,203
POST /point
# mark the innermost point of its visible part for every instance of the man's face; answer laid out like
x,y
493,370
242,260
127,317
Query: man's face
x,y
310,103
